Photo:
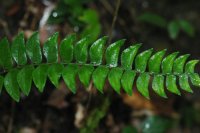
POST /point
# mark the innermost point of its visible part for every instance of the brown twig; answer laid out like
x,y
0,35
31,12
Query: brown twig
x,y
114,20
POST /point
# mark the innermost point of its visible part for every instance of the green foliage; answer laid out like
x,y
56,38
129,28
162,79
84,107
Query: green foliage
x,y
84,60
174,27
129,129
156,124
77,14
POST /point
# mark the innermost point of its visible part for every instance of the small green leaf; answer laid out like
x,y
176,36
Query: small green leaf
x,y
54,73
184,84
50,48
69,76
96,50
179,64
173,29
112,53
99,77
195,79
85,73
153,19
5,54
33,49
18,49
114,77
158,85
189,67
11,85
171,84
142,59
167,63
155,61
81,50
142,84
1,83
128,56
127,81
66,48
187,28
24,79
40,76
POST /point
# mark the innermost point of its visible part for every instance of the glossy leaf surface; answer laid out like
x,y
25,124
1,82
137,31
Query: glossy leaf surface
x,y
66,48
33,49
114,77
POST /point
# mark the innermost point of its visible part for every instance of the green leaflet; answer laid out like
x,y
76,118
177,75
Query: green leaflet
x,y
66,48
1,83
171,84
173,29
142,59
155,61
167,63
179,64
18,50
128,56
112,53
24,79
69,76
5,54
114,77
50,48
158,85
33,49
11,85
40,76
99,77
184,84
195,79
54,73
127,81
85,73
189,67
142,84
80,50
96,50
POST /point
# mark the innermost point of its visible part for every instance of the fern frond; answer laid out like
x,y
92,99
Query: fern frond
x,y
21,64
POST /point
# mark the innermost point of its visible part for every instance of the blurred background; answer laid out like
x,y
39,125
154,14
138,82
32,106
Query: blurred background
x,y
170,24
